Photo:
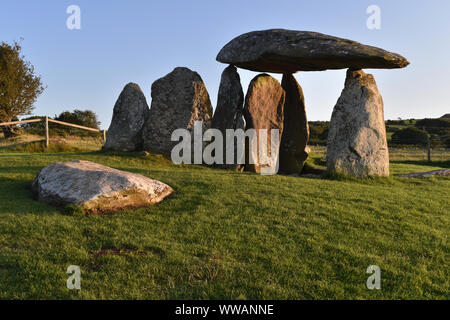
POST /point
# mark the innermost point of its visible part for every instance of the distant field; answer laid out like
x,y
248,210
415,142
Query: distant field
x,y
402,154
36,143
229,235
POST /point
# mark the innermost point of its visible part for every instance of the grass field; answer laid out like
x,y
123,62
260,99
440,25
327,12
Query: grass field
x,y
35,143
228,235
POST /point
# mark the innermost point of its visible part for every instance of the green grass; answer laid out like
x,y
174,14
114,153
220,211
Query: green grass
x,y
30,143
228,235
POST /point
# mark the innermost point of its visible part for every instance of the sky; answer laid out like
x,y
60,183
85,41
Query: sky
x,y
141,41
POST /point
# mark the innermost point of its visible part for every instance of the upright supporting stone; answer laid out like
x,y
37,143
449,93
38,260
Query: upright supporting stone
x,y
130,111
264,110
229,110
295,128
357,143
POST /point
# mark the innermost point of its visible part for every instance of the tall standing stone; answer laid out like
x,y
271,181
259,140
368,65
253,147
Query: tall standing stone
x,y
357,143
263,110
229,110
178,100
295,128
130,111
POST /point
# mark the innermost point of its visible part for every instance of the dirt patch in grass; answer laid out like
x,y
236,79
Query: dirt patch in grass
x,y
113,251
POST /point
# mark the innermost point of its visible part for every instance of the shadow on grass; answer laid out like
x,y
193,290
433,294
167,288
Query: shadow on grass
x,y
440,164
16,198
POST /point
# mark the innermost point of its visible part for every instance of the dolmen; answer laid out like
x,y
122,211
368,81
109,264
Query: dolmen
x,y
357,143
357,136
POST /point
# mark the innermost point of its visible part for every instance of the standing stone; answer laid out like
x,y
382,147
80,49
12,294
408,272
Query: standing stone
x,y
264,110
130,111
357,143
295,128
229,110
178,100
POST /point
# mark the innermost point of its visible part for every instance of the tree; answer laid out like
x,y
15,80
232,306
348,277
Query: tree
x,y
19,86
410,135
85,118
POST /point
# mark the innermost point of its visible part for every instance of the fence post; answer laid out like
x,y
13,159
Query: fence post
x,y
46,132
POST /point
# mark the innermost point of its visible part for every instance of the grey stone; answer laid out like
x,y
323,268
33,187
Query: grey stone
x,y
288,51
96,188
263,109
130,112
428,174
295,136
229,110
357,143
178,100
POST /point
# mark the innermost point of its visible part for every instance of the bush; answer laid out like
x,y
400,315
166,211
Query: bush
x,y
410,136
33,127
85,118
433,123
391,129
447,143
318,132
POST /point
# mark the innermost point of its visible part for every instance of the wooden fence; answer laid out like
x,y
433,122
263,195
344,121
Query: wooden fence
x,y
46,120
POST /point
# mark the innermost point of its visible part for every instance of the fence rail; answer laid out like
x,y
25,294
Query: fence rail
x,y
19,122
46,120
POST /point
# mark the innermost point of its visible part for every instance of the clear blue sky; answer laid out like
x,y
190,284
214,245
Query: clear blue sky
x,y
141,41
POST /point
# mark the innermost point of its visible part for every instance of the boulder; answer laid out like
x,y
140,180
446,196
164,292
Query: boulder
x,y
288,51
263,109
428,174
96,188
357,143
130,112
229,109
178,100
295,128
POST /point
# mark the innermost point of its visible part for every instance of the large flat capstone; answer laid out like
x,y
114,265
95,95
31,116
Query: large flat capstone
x,y
289,51
96,188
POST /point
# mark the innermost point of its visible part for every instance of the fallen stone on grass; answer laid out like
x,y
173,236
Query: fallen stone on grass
x,y
95,188
434,173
